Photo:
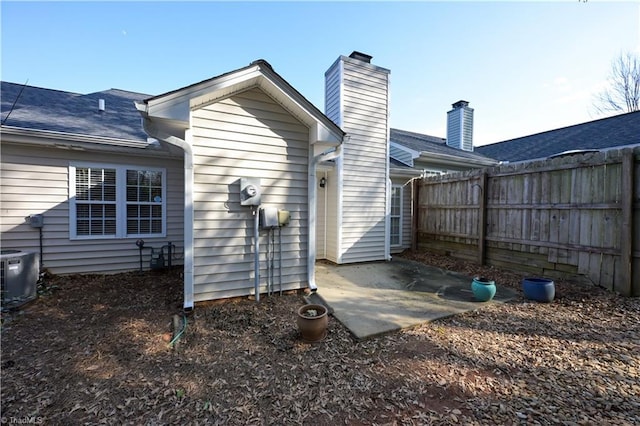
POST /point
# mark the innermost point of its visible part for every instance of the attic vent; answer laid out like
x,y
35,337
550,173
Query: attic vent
x,y
101,105
361,56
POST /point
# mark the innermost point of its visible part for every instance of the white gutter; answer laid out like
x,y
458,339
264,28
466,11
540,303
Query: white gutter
x,y
153,131
453,160
313,206
74,141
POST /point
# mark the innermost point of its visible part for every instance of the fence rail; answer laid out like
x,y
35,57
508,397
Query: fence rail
x,y
575,215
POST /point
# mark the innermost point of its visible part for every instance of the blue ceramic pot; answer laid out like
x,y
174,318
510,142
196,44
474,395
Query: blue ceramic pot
x,y
483,289
539,289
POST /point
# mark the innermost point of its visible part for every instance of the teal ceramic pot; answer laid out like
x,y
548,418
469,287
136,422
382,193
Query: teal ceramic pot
x,y
483,289
539,289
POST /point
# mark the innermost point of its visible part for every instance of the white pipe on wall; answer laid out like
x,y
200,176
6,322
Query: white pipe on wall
x,y
154,132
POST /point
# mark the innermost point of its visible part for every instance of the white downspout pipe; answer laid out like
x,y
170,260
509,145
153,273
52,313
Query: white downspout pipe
x,y
313,207
152,131
387,222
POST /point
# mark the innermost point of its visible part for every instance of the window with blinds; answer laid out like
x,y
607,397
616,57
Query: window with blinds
x,y
117,201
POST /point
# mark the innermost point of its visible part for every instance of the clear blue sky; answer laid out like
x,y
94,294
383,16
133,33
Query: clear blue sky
x,y
524,67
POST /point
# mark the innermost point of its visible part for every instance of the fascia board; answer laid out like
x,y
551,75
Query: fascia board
x,y
414,154
222,90
455,161
49,135
178,104
320,133
75,142
404,173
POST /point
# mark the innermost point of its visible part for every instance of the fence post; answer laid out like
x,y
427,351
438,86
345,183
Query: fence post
x,y
482,218
625,287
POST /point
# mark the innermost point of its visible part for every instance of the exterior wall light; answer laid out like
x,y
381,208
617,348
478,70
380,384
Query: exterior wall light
x,y
323,182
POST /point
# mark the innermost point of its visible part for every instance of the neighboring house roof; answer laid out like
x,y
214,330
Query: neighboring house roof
x,y
434,149
399,169
616,131
58,111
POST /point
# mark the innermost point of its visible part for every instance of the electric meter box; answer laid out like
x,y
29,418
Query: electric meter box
x,y
250,191
283,217
269,217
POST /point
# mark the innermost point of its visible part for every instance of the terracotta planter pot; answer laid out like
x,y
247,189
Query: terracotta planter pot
x,y
312,328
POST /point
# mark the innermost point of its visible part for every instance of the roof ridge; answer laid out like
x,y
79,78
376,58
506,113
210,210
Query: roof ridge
x,y
124,91
416,134
616,116
40,87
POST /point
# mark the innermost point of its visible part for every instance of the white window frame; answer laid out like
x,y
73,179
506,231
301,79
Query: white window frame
x,y
121,201
399,217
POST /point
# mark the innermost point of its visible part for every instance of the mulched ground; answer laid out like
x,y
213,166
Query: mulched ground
x,y
94,351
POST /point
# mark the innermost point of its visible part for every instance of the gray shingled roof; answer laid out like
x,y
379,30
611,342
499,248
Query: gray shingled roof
x,y
46,109
431,144
619,130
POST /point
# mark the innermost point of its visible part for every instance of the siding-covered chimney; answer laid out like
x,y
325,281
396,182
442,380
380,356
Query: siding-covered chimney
x,y
460,126
357,100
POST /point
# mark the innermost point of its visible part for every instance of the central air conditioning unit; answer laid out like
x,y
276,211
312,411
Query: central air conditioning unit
x,y
19,279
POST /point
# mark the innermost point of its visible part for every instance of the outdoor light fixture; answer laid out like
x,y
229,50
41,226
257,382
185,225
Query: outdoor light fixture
x,y
323,182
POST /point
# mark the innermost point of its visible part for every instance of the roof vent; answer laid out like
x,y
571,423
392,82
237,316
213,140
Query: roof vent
x,y
101,105
361,56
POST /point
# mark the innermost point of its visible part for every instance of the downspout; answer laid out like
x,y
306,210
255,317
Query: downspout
x,y
313,206
387,222
324,218
150,128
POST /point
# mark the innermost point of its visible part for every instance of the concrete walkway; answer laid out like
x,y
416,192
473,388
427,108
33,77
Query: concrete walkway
x,y
379,297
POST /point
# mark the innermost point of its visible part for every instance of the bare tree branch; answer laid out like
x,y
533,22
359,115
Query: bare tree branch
x,y
623,93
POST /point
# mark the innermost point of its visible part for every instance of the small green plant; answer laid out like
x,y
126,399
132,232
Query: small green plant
x,y
180,393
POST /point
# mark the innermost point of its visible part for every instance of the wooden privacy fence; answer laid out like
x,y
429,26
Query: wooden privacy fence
x,y
571,215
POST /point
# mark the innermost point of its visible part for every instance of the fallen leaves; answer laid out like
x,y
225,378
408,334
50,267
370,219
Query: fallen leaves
x,y
93,353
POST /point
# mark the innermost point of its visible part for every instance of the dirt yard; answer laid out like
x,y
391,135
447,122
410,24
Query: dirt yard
x,y
94,351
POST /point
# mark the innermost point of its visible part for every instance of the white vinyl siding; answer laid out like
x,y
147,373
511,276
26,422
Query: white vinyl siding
x,y
36,180
321,216
467,129
332,93
460,128
327,218
364,109
329,240
247,135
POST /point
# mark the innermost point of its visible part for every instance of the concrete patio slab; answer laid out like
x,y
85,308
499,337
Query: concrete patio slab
x,y
379,297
